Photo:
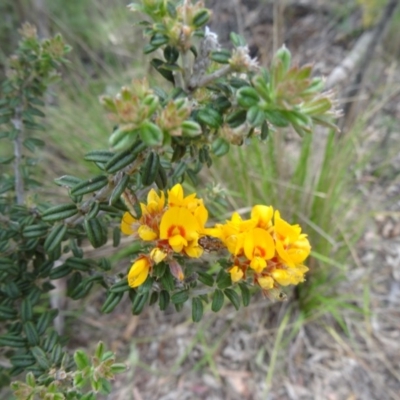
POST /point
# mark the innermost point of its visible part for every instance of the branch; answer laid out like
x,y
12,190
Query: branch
x,y
197,82
19,182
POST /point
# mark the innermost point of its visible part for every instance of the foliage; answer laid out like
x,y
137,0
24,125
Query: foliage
x,y
214,99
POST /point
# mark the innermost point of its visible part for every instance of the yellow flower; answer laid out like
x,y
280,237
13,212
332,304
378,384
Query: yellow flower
x,y
258,247
157,255
232,233
290,276
129,224
194,205
236,273
292,246
155,203
182,230
265,282
262,215
146,227
139,271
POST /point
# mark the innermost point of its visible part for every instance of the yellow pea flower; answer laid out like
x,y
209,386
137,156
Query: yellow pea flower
x,y
129,224
262,215
236,273
292,246
181,229
265,282
258,248
139,272
155,203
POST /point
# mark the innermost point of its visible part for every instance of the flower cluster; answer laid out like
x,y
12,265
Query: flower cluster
x,y
264,248
174,226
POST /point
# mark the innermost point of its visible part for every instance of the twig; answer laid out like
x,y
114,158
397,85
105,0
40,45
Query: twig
x,y
19,182
205,80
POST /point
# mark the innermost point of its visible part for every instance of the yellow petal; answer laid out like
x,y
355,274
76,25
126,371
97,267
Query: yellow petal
x,y
138,272
157,255
258,264
177,243
266,282
283,277
127,224
258,243
155,203
146,233
178,219
284,229
175,195
236,273
262,215
193,250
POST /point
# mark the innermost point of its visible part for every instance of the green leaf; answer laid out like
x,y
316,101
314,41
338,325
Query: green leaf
x,y
255,116
247,97
112,300
217,300
209,117
59,212
60,272
119,189
31,333
171,53
32,143
118,368
161,67
67,181
122,159
180,297
275,117
96,233
205,278
244,289
89,185
221,56
55,238
167,280
41,357
10,340
220,147
150,168
23,360
151,134
34,231
139,302
45,320
78,264
123,137
163,300
233,297
197,309
101,156
264,131
223,279
81,359
190,129
237,40
26,310
236,118
201,18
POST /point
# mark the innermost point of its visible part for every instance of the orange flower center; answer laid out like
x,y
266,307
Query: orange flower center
x,y
259,252
174,230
